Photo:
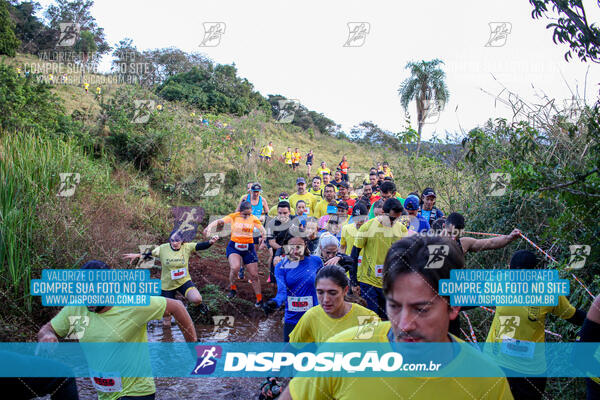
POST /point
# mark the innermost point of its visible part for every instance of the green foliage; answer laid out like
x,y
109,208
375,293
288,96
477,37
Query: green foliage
x,y
131,141
29,173
8,41
27,104
303,117
29,29
571,27
216,89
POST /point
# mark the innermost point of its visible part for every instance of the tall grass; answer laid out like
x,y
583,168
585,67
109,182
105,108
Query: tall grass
x,y
29,176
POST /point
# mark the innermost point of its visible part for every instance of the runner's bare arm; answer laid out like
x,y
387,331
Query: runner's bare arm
x,y
286,394
594,312
474,245
176,309
219,223
47,334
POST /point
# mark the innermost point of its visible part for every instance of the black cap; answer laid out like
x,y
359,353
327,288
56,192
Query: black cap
x,y
256,187
429,192
95,264
343,205
360,209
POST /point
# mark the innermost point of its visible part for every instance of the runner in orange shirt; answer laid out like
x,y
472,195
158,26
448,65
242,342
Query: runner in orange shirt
x,y
240,250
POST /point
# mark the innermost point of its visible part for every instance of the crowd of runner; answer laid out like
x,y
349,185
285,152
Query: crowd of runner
x,y
342,257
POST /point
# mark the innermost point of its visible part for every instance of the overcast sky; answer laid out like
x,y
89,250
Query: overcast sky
x,y
296,49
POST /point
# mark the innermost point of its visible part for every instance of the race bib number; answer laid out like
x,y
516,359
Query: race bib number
x,y
106,382
359,260
517,348
379,271
178,273
300,304
241,246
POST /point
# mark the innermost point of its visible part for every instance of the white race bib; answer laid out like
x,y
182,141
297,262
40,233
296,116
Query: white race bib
x,y
379,271
359,260
178,273
517,348
106,382
241,246
300,304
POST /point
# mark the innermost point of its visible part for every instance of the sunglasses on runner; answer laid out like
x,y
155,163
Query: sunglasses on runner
x,y
288,248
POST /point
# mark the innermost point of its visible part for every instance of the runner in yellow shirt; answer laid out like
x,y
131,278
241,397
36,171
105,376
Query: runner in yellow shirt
x,y
116,324
387,171
328,197
333,314
523,326
323,169
373,241
417,314
316,188
288,156
269,152
175,275
301,194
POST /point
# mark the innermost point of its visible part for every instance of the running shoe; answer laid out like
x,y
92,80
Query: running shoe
x,y
241,274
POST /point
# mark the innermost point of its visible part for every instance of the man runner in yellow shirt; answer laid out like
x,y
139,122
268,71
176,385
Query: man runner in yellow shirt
x,y
418,314
373,241
287,157
117,324
302,194
321,207
316,188
269,152
323,169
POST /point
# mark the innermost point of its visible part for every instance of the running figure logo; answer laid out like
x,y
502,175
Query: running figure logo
x,y
187,220
508,326
287,111
356,180
437,255
579,253
212,34
431,111
68,184
212,184
142,111
69,32
207,359
77,326
499,183
366,327
223,325
357,34
499,32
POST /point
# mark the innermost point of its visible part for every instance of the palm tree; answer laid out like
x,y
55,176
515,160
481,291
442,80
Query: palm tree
x,y
427,87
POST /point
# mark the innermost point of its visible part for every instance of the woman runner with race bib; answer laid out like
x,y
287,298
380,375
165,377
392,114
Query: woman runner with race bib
x,y
240,250
295,276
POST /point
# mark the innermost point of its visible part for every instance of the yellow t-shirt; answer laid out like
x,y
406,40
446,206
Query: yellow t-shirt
x,y
388,172
308,198
320,171
296,157
273,211
174,264
119,324
288,157
316,326
320,209
375,239
317,193
268,151
521,327
242,228
450,388
349,233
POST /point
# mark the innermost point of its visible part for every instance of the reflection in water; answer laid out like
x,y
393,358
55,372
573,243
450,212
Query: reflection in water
x,y
243,330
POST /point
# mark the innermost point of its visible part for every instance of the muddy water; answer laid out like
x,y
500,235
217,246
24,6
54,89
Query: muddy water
x,y
244,330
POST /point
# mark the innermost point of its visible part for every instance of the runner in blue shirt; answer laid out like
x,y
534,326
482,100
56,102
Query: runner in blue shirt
x,y
417,222
295,276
